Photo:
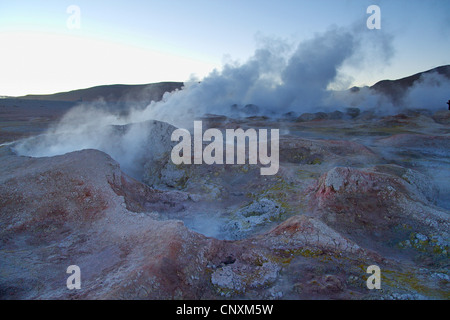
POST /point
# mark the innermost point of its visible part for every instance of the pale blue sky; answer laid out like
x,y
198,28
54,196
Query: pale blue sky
x,y
168,40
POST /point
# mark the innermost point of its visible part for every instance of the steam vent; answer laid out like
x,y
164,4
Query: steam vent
x,y
224,155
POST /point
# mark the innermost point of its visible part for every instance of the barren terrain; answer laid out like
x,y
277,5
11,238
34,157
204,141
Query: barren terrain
x,y
353,190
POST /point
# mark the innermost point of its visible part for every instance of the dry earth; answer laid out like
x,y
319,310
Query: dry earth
x,y
353,190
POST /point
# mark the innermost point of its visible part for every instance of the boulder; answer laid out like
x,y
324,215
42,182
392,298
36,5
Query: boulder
x,y
353,112
382,203
442,117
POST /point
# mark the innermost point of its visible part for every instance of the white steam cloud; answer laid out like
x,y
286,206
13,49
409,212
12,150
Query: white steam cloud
x,y
429,92
275,80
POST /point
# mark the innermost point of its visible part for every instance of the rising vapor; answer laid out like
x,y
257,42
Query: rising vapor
x,y
274,81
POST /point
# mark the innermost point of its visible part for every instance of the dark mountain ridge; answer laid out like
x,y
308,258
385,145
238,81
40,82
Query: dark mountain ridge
x,y
396,88
112,93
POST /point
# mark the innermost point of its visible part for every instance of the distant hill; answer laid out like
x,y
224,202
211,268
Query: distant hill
x,y
145,93
112,93
396,88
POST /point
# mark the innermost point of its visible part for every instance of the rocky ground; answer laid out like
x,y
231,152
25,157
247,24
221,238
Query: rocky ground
x,y
353,190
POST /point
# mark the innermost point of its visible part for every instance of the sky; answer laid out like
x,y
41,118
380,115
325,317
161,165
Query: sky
x,y
46,47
